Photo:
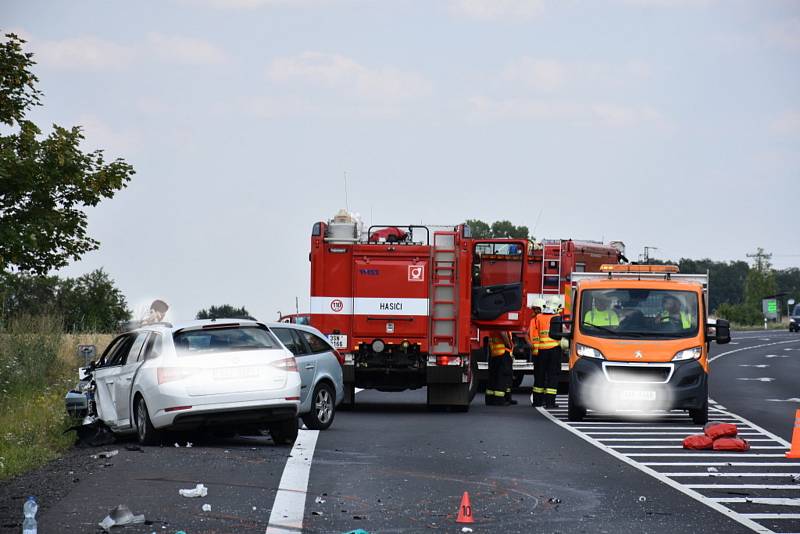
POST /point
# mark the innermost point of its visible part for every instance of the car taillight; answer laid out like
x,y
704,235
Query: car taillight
x,y
170,374
339,356
287,364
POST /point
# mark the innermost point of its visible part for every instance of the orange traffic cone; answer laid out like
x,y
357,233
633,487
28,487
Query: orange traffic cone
x,y
465,510
794,452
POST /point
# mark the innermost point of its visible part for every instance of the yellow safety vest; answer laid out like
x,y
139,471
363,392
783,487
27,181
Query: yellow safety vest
x,y
497,346
601,318
686,321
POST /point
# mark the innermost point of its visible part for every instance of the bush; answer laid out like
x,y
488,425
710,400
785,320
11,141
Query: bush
x,y
29,349
741,314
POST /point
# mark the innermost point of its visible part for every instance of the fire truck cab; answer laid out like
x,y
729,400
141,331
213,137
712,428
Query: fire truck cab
x,y
399,302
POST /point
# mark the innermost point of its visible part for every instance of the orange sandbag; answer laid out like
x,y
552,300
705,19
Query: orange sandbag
x,y
720,430
731,444
698,441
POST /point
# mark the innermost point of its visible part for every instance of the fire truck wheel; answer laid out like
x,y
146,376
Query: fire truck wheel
x,y
323,408
349,401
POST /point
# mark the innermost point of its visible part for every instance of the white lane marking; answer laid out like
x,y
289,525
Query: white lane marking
x,y
793,399
772,501
681,447
751,348
722,464
290,501
664,427
776,356
772,516
674,439
657,434
707,474
756,365
762,379
707,455
789,349
744,486
655,474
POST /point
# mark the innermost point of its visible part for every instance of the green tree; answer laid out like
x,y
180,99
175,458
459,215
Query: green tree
x,y
224,311
726,279
480,229
497,229
92,303
45,183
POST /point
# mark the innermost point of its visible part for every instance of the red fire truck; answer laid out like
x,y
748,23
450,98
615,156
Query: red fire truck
x,y
413,306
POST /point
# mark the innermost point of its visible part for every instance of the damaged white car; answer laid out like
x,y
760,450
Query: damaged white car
x,y
230,375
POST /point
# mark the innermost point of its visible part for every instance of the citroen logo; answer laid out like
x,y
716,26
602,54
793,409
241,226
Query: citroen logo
x,y
638,355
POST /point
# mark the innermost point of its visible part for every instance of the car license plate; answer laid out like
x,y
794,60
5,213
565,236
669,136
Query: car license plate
x,y
338,341
637,395
233,373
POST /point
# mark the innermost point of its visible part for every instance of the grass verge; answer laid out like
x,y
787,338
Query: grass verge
x,y
39,365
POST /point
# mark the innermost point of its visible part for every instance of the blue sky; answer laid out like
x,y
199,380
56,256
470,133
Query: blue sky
x,y
667,123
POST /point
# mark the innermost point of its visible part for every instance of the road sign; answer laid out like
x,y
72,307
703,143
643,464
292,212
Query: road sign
x,y
770,308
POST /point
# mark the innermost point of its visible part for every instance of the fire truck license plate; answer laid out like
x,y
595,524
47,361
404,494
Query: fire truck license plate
x,y
339,341
637,395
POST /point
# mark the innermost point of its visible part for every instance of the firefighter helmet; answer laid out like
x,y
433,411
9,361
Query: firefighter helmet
x,y
537,302
554,303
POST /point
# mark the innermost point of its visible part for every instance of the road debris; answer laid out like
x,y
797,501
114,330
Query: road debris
x,y
466,529
104,454
642,498
92,433
177,445
554,500
206,507
712,470
319,500
198,491
119,517
796,479
188,444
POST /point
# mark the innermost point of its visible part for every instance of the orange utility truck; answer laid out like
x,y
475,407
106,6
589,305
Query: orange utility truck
x,y
639,338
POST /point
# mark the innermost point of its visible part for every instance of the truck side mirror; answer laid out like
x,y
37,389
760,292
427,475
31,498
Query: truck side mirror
x,y
557,329
723,332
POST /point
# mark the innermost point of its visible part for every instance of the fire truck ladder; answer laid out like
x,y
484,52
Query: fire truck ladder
x,y
444,295
551,267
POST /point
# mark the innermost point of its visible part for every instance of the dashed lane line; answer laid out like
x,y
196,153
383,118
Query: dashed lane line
x,y
289,507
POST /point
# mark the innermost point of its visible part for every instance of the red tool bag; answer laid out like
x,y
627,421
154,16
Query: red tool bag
x,y
698,441
731,444
720,430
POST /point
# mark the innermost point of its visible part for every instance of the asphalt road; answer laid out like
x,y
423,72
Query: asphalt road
x,y
392,466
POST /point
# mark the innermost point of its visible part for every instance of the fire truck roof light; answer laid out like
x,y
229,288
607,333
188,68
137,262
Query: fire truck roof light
x,y
608,268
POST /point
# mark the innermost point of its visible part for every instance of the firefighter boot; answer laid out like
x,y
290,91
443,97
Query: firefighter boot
x,y
508,400
536,397
550,400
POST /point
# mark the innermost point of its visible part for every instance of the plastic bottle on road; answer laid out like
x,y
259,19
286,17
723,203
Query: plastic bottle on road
x,y
29,509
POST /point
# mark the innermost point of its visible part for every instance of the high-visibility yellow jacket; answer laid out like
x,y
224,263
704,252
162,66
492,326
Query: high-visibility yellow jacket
x,y
686,320
606,317
539,333
498,345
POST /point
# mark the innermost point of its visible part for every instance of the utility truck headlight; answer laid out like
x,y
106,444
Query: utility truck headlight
x,y
688,354
378,346
588,352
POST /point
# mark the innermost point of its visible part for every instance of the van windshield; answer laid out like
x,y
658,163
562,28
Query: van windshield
x,y
639,313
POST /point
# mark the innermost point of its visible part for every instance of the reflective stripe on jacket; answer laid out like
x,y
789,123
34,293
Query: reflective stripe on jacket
x,y
543,325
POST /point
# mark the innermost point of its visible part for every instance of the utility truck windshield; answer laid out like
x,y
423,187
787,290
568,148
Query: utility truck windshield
x,y
639,313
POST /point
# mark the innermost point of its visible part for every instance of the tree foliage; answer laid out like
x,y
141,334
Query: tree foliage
x,y
45,183
89,303
224,311
482,230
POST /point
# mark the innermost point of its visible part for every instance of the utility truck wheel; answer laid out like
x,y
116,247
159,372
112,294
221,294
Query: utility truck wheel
x,y
700,415
575,412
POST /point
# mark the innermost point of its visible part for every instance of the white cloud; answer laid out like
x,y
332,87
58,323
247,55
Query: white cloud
x,y
347,76
787,123
497,9
785,34
614,115
83,53
100,135
185,50
539,74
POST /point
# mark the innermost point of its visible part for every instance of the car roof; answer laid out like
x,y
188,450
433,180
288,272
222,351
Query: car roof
x,y
198,323
295,326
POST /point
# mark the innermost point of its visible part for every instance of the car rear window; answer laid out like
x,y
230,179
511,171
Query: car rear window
x,y
224,339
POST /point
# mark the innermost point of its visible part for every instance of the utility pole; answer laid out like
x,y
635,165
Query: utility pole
x,y
761,260
645,258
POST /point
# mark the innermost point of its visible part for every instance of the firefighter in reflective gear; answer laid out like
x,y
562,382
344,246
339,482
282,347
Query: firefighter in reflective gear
x,y
548,363
501,372
533,338
601,313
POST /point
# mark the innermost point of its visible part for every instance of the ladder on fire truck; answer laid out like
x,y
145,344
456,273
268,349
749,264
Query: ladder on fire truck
x,y
444,295
551,266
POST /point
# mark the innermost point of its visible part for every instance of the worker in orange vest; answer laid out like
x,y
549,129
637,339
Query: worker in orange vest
x,y
537,393
498,387
547,355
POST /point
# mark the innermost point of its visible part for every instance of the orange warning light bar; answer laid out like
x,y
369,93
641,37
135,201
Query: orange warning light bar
x,y
610,268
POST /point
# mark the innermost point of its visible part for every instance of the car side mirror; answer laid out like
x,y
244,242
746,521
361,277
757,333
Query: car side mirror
x,y
723,332
557,329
